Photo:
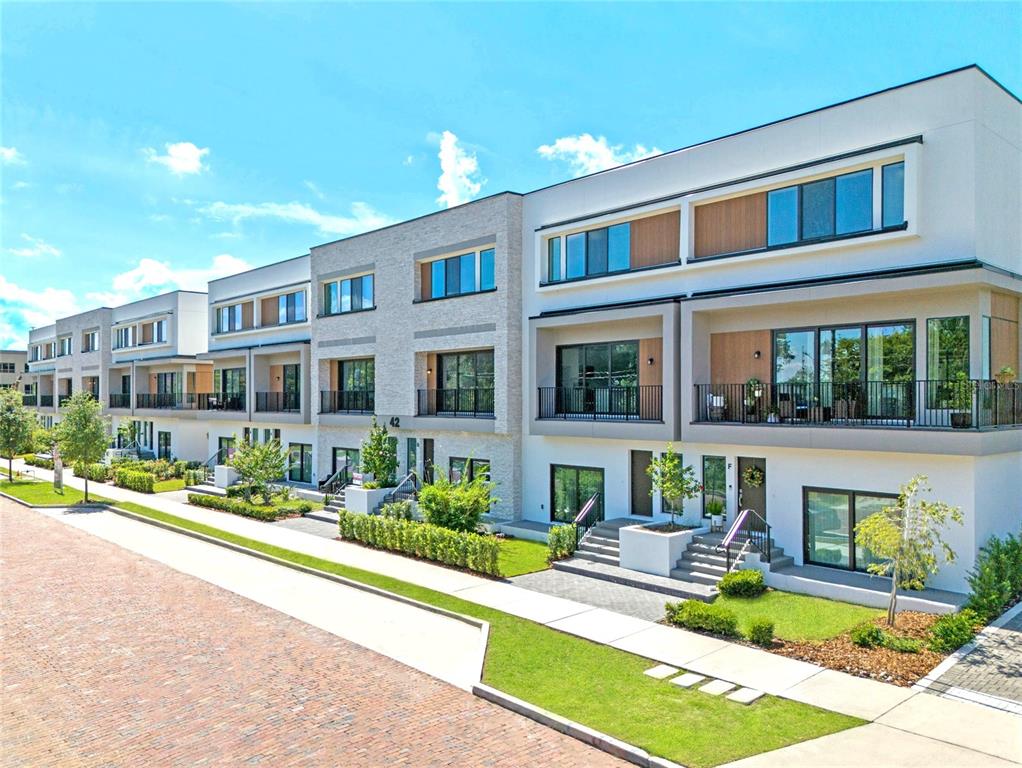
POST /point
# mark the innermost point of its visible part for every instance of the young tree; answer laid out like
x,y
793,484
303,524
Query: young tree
x,y
674,481
905,538
379,455
84,433
17,426
259,465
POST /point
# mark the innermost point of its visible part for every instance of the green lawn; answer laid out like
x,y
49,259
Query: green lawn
x,y
594,684
518,556
165,486
41,492
798,617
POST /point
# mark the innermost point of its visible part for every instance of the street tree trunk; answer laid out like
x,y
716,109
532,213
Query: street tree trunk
x,y
86,485
892,605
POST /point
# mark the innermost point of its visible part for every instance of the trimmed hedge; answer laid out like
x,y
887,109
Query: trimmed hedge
x,y
36,461
194,477
268,512
705,617
431,542
742,584
142,482
560,542
97,473
397,510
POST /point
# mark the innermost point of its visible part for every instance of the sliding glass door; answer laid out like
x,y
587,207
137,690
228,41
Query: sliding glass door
x,y
571,488
830,517
599,378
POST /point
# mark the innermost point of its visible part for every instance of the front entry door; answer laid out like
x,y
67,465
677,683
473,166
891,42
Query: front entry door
x,y
752,496
427,459
301,463
642,501
345,457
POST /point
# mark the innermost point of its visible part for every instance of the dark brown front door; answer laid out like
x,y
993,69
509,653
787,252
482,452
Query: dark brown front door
x,y
427,459
751,496
642,502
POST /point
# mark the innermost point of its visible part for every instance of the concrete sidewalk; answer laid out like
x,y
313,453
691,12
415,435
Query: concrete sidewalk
x,y
987,733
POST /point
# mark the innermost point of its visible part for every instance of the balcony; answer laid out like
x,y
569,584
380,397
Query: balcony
x,y
28,399
278,402
221,401
45,401
972,404
638,403
458,403
347,401
163,400
120,400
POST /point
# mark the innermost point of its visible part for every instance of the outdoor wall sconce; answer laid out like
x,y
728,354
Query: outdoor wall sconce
x,y
755,354
429,371
650,361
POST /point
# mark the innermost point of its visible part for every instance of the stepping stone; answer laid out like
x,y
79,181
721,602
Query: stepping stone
x,y
717,687
745,695
688,680
660,671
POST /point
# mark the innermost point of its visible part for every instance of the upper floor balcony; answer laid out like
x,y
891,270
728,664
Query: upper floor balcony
x,y
278,402
355,401
603,403
468,402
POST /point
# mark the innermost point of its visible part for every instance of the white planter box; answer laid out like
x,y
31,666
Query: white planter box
x,y
647,551
363,500
224,476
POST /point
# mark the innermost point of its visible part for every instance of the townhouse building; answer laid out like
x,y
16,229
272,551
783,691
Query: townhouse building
x,y
812,311
260,325
419,324
13,367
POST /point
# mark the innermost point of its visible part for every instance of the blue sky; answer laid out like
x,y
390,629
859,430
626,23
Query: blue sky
x,y
153,146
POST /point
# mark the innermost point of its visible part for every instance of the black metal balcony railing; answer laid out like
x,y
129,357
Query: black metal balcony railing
x,y
638,403
473,403
120,400
221,401
28,399
45,401
159,400
347,401
958,404
62,400
278,402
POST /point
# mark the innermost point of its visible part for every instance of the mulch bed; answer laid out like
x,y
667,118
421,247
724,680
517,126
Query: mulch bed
x,y
881,664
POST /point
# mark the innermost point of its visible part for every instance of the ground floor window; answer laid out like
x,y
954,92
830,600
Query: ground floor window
x,y
344,457
830,517
225,447
163,445
301,463
571,488
474,467
714,485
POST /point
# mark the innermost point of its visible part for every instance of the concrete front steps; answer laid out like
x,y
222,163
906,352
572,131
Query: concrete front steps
x,y
671,587
703,563
603,543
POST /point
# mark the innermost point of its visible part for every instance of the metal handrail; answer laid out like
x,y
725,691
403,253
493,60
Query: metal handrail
x,y
760,539
332,483
397,489
587,518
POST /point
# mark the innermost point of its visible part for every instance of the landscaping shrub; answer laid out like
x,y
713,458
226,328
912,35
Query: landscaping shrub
x,y
742,584
867,635
996,579
560,542
180,467
456,506
238,490
98,473
133,480
430,542
397,510
36,461
953,630
902,644
194,476
761,632
258,511
705,617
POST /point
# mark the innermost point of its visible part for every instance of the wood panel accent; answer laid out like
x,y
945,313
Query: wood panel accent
x,y
1004,345
147,333
267,312
334,367
729,226
431,373
276,378
152,383
651,374
248,314
203,379
426,283
1004,306
656,240
732,358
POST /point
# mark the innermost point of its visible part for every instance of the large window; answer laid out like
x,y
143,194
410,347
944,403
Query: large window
x,y
167,383
474,468
947,347
291,308
228,318
300,468
894,195
830,517
357,380
714,482
90,341
466,381
598,378
589,254
64,346
458,275
124,337
352,294
571,488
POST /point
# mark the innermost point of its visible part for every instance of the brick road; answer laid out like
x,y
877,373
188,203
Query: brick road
x,y
110,659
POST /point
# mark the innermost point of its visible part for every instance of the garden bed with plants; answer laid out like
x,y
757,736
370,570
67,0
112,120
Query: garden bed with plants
x,y
279,507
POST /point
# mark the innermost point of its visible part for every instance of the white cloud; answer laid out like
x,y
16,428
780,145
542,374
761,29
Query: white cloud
x,y
363,216
181,158
459,178
11,156
20,185
22,309
314,189
586,154
36,247
150,277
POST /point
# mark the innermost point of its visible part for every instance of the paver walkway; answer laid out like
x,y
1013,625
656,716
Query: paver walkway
x,y
631,601
110,658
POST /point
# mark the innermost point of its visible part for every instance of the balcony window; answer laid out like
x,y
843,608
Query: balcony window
x,y
228,318
124,337
460,275
64,346
350,295
894,194
291,308
160,331
90,341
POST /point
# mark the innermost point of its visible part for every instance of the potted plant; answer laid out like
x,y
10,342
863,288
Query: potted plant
x,y
753,392
1006,375
960,401
715,511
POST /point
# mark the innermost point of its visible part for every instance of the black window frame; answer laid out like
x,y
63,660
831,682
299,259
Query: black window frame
x,y
603,265
851,493
452,275
469,464
703,494
287,304
580,502
359,282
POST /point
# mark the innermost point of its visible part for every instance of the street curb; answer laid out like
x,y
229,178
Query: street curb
x,y
593,738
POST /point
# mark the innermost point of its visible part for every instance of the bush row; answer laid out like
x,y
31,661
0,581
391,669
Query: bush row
x,y
996,579
163,469
430,542
258,511
142,482
718,620
97,473
397,510
36,461
194,476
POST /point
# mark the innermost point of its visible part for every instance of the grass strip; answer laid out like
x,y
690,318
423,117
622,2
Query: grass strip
x,y
519,556
593,684
41,492
798,617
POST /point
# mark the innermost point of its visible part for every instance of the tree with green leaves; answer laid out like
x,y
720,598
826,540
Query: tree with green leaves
x,y
905,538
17,427
674,481
83,434
259,465
379,455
